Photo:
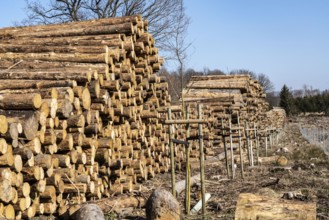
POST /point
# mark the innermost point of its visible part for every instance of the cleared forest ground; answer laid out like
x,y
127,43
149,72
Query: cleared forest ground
x,y
308,173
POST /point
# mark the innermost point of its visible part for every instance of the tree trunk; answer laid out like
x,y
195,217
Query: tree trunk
x,y
251,206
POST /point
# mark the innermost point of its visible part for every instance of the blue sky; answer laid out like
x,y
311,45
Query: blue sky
x,y
288,40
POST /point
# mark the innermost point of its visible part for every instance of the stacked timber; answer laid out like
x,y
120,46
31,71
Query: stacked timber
x,y
237,96
276,117
78,113
239,109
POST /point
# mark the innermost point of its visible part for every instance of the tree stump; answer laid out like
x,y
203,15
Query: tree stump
x,y
162,205
88,212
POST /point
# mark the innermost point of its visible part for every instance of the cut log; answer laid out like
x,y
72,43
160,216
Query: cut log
x,y
3,124
6,194
252,206
61,74
20,101
34,84
28,120
180,185
9,212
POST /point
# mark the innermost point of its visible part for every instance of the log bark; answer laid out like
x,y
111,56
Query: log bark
x,y
252,206
79,75
180,185
58,57
34,84
20,101
29,120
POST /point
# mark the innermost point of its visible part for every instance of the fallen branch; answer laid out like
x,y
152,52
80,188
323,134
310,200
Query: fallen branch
x,y
181,185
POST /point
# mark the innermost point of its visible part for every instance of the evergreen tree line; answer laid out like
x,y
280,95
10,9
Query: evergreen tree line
x,y
307,101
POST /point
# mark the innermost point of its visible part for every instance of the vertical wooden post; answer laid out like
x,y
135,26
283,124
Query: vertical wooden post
x,y
231,149
225,150
172,155
271,140
248,141
240,147
203,188
251,152
266,143
256,142
188,167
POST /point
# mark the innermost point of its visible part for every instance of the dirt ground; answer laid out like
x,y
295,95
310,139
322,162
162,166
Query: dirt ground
x,y
308,173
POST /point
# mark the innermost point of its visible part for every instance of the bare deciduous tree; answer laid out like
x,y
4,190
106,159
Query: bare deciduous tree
x,y
177,45
263,79
163,15
265,82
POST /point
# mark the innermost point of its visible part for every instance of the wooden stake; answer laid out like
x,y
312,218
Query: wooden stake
x,y
240,148
203,189
266,144
248,141
188,168
225,150
172,155
256,141
231,149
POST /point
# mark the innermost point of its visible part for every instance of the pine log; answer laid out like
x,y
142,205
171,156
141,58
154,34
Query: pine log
x,y
3,124
78,31
49,194
20,101
43,160
24,191
49,74
6,194
34,145
33,173
64,160
9,212
7,159
18,163
29,120
180,185
76,121
3,146
7,48
34,84
64,108
58,57
252,206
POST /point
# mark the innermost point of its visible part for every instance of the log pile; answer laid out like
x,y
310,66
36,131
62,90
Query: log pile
x,y
78,113
227,94
238,106
276,117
